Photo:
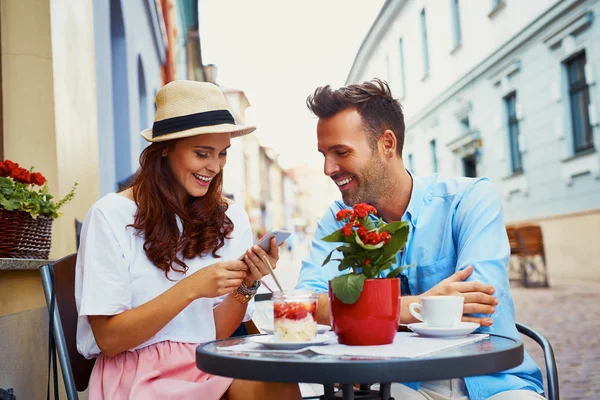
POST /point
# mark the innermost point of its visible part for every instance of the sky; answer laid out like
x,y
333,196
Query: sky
x,y
278,52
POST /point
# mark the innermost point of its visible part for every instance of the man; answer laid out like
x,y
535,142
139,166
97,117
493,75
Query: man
x,y
457,236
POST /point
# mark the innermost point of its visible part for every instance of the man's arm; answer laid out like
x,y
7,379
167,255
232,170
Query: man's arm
x,y
481,241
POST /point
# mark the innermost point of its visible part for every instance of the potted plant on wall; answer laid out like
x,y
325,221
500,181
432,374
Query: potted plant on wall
x,y
26,212
365,304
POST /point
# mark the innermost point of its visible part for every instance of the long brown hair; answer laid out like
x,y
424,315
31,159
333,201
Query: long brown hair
x,y
374,102
205,224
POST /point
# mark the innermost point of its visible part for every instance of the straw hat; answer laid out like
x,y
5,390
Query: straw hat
x,y
190,108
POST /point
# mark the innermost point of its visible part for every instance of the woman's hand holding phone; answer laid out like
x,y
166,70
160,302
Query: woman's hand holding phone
x,y
254,260
215,280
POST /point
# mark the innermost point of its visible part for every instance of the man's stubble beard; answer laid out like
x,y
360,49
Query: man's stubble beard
x,y
372,184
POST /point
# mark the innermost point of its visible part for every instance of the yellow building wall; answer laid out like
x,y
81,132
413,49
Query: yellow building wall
x,y
49,101
570,244
49,122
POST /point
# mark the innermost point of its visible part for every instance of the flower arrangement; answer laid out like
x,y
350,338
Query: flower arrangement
x,y
370,247
27,191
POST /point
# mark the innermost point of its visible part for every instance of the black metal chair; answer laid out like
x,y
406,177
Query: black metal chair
x,y
58,280
551,370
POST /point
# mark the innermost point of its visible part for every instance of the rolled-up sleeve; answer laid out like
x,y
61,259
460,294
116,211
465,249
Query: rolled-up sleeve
x,y
481,241
102,275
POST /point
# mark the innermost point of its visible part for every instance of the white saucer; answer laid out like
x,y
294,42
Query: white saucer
x,y
270,342
320,329
463,329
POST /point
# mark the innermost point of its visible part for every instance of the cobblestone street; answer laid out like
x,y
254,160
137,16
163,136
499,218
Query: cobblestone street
x,y
568,314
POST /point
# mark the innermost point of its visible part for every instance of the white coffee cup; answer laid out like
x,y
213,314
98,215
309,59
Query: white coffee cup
x,y
439,311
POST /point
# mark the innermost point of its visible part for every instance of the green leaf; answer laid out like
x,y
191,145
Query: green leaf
x,y
338,236
384,265
368,246
349,261
349,249
368,223
396,243
327,258
10,204
395,272
347,288
393,226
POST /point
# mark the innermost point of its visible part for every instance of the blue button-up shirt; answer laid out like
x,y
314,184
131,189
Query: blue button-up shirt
x,y
454,223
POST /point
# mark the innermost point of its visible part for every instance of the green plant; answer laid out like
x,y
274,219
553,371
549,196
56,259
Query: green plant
x,y
370,247
19,192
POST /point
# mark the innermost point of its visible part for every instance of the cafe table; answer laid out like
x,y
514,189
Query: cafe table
x,y
492,354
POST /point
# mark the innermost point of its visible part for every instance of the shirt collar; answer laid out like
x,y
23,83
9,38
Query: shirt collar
x,y
417,198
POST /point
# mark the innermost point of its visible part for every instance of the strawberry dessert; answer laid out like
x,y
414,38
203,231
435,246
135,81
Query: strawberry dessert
x,y
295,321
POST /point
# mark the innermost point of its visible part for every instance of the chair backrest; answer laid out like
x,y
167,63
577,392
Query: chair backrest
x,y
513,239
78,226
60,277
551,369
531,242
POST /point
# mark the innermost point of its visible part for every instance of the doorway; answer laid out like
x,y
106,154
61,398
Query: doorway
x,y
469,166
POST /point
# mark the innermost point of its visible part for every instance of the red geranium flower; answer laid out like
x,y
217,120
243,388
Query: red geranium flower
x,y
4,170
37,179
11,165
21,175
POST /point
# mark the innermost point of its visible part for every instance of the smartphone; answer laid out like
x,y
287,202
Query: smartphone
x,y
265,243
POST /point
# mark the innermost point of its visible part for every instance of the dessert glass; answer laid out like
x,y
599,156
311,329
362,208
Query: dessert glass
x,y
295,315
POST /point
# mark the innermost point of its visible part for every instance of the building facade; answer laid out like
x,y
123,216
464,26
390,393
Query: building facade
x,y
78,80
508,90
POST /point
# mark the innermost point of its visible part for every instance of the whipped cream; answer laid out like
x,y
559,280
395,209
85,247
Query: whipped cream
x,y
295,330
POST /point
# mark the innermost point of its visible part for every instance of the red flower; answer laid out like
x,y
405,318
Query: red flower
x,y
386,237
4,171
347,230
367,262
363,209
37,179
21,175
11,165
362,231
373,238
343,214
360,210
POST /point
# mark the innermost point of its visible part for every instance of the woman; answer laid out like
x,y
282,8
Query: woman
x,y
158,270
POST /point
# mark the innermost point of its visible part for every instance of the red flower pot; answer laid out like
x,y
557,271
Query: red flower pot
x,y
373,319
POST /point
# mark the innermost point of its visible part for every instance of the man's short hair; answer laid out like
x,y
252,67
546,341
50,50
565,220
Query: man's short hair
x,y
374,102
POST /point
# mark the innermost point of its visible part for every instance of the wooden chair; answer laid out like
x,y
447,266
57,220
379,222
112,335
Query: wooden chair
x,y
533,256
58,280
515,267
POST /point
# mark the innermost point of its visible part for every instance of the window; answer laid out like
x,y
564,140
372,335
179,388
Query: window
x,y
510,102
433,156
456,33
465,125
579,96
411,166
402,75
424,45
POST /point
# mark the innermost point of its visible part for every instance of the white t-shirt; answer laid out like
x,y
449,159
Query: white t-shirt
x,y
114,275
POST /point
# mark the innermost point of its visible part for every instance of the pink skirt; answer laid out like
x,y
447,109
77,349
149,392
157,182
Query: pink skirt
x,y
165,370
